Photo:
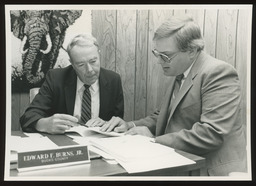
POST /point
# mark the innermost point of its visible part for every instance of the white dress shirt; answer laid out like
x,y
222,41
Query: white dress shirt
x,y
187,72
95,99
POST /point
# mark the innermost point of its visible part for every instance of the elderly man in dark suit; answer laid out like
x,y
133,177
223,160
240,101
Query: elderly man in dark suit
x,y
200,113
82,92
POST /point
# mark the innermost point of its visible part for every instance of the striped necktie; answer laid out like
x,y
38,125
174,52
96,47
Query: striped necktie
x,y
86,105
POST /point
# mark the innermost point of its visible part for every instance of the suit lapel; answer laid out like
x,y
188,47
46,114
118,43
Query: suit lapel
x,y
188,83
70,92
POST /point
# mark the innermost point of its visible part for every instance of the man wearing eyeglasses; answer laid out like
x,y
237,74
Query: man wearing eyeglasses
x,y
200,113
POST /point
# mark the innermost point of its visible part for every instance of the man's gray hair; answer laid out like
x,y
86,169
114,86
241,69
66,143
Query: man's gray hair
x,y
86,40
186,32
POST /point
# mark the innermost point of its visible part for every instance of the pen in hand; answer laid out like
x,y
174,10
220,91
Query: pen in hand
x,y
80,123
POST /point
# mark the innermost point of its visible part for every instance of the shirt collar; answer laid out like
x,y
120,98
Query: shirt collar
x,y
80,85
188,70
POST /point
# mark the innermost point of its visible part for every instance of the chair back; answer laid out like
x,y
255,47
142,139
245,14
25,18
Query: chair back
x,y
32,93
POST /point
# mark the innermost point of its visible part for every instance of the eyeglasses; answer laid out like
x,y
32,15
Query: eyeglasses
x,y
164,57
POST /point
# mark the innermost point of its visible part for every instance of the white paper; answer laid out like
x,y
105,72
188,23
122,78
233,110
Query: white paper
x,y
105,155
86,141
23,144
127,148
149,164
89,131
138,153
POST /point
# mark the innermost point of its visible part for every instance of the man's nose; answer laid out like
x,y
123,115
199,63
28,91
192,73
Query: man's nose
x,y
88,67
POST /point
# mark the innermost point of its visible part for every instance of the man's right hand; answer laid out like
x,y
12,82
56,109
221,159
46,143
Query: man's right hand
x,y
56,124
116,124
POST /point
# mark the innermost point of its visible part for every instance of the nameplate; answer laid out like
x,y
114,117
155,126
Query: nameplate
x,y
70,155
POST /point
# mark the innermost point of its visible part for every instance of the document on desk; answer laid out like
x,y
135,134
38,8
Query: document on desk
x,y
91,131
138,154
22,144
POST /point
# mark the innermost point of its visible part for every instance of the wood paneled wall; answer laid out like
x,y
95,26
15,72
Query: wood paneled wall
x,y
125,39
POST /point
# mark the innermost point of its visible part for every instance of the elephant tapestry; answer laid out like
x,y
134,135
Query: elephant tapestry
x,y
42,33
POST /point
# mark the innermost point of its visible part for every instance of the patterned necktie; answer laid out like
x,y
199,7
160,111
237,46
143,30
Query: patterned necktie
x,y
177,85
176,89
86,105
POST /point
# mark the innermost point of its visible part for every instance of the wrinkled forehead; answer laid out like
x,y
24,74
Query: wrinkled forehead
x,y
81,43
83,53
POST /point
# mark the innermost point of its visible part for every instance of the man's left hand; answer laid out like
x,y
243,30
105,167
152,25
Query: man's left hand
x,y
95,122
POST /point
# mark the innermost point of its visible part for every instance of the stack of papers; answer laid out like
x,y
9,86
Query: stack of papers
x,y
91,131
138,154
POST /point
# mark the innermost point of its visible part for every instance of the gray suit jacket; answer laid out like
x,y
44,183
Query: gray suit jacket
x,y
205,117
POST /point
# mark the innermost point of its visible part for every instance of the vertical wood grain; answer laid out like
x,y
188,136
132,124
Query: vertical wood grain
x,y
20,102
125,57
104,29
157,83
226,35
141,64
198,17
210,31
179,12
24,102
15,111
241,58
125,39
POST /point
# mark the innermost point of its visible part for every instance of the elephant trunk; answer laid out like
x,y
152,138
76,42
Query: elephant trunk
x,y
32,58
49,44
34,47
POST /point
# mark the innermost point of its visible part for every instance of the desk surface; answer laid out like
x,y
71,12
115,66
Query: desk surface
x,y
99,167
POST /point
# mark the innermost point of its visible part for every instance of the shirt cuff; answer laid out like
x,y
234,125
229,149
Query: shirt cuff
x,y
133,124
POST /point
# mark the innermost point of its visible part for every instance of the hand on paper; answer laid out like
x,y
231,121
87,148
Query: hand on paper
x,y
56,124
141,130
95,122
116,124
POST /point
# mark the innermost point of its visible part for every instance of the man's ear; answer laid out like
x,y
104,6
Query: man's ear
x,y
193,53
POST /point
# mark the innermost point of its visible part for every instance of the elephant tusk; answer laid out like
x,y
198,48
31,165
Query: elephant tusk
x,y
23,42
48,40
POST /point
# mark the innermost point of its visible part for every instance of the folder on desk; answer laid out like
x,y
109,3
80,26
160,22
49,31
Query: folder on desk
x,y
138,154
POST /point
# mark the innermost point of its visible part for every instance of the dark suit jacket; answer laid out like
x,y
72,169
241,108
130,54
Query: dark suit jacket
x,y
58,92
205,117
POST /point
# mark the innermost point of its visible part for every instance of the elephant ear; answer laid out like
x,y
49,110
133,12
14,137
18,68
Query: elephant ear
x,y
17,23
62,19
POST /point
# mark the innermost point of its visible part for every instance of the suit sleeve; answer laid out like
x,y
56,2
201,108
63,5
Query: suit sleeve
x,y
119,104
40,107
149,121
220,99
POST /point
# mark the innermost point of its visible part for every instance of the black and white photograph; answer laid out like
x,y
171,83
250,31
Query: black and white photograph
x,y
128,92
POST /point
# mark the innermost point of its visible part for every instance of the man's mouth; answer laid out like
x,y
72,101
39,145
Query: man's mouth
x,y
90,76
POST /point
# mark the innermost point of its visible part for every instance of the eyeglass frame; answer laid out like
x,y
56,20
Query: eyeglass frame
x,y
167,59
